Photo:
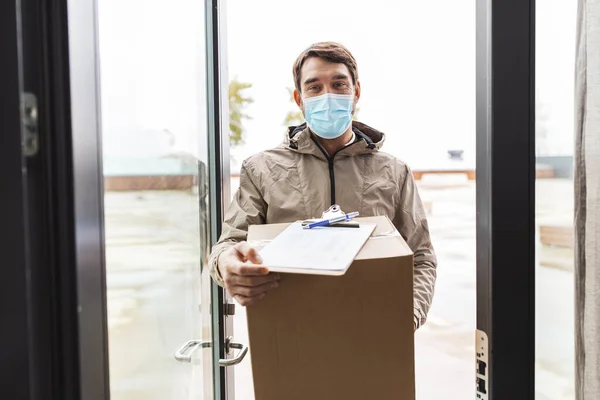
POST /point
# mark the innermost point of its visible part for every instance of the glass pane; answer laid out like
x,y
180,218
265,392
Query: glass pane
x,y
152,66
555,61
421,93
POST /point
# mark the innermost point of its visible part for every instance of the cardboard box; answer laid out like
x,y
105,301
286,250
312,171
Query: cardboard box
x,y
346,337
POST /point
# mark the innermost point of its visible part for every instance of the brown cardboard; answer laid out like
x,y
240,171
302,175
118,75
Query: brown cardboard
x,y
346,337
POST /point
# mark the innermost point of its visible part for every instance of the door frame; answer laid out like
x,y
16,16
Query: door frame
x,y
53,204
505,126
219,178
83,90
15,306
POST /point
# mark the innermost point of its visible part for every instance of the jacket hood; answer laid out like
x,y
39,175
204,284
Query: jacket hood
x,y
368,140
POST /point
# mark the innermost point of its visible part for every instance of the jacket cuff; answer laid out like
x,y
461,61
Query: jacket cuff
x,y
418,318
214,267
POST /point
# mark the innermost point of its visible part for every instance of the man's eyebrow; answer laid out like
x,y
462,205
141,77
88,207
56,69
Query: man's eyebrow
x,y
340,76
335,78
311,80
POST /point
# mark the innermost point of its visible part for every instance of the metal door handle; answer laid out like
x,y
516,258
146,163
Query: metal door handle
x,y
229,362
184,354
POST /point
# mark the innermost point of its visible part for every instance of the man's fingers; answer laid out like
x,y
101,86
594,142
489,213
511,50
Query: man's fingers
x,y
248,253
249,270
251,291
253,256
248,283
245,280
248,301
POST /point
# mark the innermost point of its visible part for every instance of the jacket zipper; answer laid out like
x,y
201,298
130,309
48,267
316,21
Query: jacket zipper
x,y
331,169
331,179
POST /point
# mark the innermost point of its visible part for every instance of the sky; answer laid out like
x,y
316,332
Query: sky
x,y
416,63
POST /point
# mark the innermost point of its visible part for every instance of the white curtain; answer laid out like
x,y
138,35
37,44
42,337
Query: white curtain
x,y
587,201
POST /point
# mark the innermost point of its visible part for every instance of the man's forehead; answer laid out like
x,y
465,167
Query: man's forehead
x,y
316,67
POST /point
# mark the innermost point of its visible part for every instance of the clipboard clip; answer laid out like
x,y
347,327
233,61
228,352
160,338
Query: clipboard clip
x,y
335,211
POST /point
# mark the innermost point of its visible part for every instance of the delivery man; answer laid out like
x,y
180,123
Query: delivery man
x,y
328,160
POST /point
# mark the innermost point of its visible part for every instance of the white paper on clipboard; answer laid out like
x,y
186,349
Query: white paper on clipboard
x,y
319,251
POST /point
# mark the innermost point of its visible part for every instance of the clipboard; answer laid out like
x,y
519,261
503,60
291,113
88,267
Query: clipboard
x,y
317,251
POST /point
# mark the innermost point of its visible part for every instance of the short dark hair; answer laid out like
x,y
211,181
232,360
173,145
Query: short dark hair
x,y
328,51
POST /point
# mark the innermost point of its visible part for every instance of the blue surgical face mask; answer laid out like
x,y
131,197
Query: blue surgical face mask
x,y
329,115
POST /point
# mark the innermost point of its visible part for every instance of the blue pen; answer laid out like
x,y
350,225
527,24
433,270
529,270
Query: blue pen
x,y
331,221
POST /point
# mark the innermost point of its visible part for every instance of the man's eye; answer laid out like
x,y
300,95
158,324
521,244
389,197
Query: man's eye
x,y
340,84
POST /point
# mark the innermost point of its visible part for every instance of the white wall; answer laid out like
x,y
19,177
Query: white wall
x,y
152,66
416,63
555,76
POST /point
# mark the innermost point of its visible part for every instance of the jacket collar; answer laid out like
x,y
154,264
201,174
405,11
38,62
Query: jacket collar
x,y
368,140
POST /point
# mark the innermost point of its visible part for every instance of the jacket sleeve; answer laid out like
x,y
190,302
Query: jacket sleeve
x,y
247,208
411,222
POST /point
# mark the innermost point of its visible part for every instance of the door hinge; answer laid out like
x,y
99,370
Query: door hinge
x,y
229,309
30,142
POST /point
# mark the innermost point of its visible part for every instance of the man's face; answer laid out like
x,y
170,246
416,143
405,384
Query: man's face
x,y
318,77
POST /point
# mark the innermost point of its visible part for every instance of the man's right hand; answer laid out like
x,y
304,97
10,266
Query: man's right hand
x,y
245,283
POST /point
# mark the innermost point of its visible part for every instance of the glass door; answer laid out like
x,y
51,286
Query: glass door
x,y
157,199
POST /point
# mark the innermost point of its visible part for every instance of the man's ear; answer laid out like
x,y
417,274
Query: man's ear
x,y
298,98
357,90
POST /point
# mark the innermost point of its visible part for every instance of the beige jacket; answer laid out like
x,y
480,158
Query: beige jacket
x,y
297,180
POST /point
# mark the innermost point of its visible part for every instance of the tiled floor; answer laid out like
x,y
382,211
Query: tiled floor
x,y
154,294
